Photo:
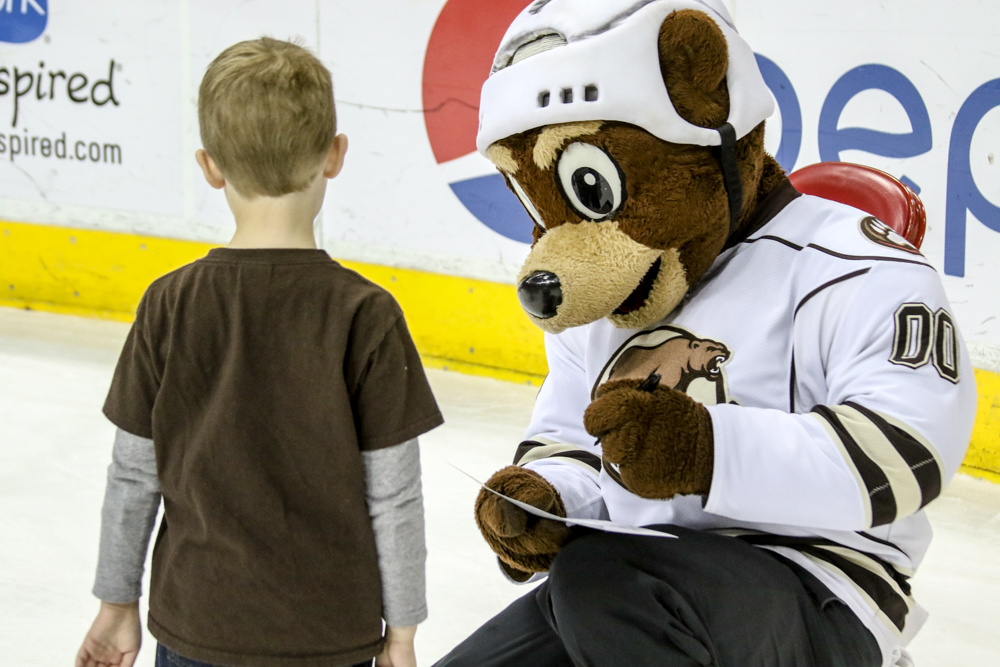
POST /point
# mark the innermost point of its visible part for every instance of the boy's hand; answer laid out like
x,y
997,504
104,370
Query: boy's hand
x,y
398,651
113,639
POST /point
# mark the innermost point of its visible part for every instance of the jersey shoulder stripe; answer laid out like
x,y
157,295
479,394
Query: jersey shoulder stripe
x,y
839,232
829,283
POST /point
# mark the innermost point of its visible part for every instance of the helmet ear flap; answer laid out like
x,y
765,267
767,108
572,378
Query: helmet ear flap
x,y
694,59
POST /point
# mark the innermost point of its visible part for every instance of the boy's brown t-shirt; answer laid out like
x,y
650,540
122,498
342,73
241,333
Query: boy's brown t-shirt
x,y
261,376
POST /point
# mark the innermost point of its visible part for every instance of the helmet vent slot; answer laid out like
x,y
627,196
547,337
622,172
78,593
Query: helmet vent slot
x,y
566,95
543,99
590,93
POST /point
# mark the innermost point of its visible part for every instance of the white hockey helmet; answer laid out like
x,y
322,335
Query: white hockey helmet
x,y
563,61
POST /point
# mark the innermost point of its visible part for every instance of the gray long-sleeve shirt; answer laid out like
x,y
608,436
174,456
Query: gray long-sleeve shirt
x,y
395,504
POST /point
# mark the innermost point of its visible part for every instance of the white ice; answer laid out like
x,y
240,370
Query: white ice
x,y
55,446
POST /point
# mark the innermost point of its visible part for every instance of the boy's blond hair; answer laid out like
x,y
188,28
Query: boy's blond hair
x,y
266,113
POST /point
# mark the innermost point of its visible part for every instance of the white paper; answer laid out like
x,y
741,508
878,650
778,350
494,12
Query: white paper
x,y
596,524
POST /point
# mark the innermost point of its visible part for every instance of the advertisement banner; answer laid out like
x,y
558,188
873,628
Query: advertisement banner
x,y
98,121
90,105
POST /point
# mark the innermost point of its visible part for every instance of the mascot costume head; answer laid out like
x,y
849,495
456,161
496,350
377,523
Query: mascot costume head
x,y
633,133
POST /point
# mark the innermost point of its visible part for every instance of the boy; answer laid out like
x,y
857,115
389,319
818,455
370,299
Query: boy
x,y
274,399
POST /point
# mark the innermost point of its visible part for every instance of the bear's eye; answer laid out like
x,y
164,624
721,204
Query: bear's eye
x,y
526,202
591,181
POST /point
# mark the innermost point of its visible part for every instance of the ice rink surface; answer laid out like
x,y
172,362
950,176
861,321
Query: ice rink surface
x,y
55,446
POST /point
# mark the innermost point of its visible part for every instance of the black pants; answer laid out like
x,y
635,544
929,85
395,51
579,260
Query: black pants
x,y
167,658
616,600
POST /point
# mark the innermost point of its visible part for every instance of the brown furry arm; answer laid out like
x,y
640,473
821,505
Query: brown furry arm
x,y
661,441
524,543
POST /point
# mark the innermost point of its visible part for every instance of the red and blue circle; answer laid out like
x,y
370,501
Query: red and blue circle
x,y
458,61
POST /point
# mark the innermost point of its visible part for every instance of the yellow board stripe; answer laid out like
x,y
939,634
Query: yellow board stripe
x,y
983,459
82,270
104,274
470,322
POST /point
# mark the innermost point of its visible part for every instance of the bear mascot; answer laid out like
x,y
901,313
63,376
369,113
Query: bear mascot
x,y
773,379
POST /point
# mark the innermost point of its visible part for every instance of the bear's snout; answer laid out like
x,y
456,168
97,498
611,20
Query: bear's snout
x,y
541,294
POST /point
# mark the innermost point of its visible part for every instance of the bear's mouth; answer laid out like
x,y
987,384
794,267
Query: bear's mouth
x,y
714,362
637,299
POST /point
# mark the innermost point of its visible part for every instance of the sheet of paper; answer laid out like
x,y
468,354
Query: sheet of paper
x,y
596,524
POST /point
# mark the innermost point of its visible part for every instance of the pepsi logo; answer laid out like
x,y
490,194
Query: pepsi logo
x,y
22,20
458,61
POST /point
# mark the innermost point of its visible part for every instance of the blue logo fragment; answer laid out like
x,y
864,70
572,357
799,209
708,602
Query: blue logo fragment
x,y
23,20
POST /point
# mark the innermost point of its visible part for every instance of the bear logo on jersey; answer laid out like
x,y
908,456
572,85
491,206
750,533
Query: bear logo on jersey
x,y
882,234
684,362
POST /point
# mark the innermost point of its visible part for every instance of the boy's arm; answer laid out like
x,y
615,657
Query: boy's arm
x,y
131,501
395,504
114,639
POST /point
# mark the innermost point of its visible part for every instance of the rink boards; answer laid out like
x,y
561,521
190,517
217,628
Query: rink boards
x,y
461,324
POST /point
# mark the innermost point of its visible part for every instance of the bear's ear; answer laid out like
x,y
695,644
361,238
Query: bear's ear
x,y
694,57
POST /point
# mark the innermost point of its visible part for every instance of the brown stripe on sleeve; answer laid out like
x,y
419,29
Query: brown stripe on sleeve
x,y
530,450
881,500
879,589
920,457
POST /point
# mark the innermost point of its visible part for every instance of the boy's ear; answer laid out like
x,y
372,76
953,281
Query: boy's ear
x,y
335,156
210,169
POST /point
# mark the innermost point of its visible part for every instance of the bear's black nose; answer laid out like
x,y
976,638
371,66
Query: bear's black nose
x,y
540,294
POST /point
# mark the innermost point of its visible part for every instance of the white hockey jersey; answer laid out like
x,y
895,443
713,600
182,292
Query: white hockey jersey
x,y
841,395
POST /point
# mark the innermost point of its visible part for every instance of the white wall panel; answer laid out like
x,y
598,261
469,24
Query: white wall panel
x,y
74,140
400,198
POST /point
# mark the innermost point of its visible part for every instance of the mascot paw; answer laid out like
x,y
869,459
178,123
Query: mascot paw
x,y
659,442
524,543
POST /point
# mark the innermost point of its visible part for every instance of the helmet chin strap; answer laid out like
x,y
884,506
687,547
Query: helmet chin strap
x,y
731,175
